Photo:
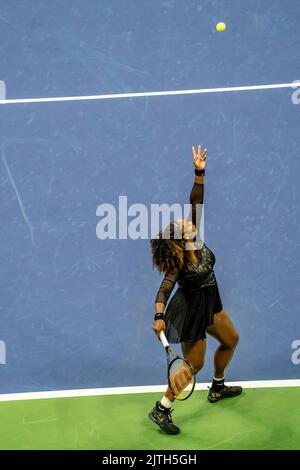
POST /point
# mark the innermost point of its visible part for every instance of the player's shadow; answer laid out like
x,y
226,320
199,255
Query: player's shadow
x,y
202,408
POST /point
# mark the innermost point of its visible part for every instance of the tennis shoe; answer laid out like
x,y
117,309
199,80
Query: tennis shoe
x,y
162,417
225,392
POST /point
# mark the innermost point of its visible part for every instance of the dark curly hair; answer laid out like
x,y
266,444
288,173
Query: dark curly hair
x,y
168,250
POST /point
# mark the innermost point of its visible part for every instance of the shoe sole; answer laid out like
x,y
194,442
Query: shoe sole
x,y
159,424
214,400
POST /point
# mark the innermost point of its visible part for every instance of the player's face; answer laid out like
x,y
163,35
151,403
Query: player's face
x,y
188,228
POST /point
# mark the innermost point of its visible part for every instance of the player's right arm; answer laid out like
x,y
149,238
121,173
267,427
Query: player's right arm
x,y
161,300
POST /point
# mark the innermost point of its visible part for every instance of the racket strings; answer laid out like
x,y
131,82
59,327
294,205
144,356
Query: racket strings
x,y
181,378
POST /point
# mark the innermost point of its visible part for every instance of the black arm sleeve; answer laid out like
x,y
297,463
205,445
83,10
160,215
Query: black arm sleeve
x,y
166,288
170,279
196,201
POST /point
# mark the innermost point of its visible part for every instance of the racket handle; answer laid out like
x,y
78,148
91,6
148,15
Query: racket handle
x,y
164,339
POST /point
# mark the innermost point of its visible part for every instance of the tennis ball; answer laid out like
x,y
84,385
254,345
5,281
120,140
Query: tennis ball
x,y
221,26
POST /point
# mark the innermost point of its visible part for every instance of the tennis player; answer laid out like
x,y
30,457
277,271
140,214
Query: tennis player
x,y
196,307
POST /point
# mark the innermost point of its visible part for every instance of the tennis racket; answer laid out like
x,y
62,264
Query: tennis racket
x,y
181,375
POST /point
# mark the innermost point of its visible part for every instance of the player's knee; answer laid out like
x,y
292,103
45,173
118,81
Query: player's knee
x,y
234,340
197,365
231,341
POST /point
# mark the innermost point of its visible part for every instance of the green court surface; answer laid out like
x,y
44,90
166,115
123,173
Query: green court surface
x,y
258,419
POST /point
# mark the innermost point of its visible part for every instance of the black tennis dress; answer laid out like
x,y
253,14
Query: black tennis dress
x,y
197,299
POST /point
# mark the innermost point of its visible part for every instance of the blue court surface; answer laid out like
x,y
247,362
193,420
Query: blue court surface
x,y
76,310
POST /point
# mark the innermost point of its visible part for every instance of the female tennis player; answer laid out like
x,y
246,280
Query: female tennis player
x,y
196,307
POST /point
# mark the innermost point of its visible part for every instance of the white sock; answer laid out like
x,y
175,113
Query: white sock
x,y
166,402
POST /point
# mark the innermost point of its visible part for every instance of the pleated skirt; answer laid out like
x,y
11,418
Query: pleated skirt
x,y
190,312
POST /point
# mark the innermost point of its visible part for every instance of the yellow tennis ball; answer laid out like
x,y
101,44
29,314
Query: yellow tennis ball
x,y
221,27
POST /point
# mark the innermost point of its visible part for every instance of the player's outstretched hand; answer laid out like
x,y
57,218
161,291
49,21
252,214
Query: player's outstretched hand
x,y
199,160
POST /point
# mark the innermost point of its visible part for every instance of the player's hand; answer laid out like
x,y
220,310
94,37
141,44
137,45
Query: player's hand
x,y
159,326
199,160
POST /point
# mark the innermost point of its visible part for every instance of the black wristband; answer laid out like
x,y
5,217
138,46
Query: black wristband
x,y
199,172
159,316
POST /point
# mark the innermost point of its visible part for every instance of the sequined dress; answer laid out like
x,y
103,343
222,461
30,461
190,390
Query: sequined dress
x,y
197,299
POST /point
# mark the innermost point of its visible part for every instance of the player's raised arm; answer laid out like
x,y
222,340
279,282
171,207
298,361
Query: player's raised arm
x,y
197,192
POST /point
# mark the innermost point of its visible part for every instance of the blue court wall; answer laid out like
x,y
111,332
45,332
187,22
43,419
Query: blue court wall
x,y
76,311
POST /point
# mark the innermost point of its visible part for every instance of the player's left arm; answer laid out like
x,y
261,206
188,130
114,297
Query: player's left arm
x,y
197,192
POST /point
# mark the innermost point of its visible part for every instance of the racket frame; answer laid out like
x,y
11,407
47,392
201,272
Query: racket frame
x,y
169,351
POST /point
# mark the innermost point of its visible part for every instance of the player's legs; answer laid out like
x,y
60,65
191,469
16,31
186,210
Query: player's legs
x,y
194,353
224,331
